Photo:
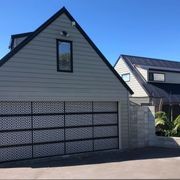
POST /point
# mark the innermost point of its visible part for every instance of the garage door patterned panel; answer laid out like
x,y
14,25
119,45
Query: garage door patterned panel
x,y
104,106
79,133
44,136
79,120
106,144
48,121
13,138
79,146
11,123
78,107
102,119
48,150
9,108
15,153
108,131
48,107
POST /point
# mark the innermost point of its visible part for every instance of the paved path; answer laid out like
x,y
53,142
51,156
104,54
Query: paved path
x,y
151,163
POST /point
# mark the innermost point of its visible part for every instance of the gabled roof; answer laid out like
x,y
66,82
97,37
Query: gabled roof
x,y
49,21
169,92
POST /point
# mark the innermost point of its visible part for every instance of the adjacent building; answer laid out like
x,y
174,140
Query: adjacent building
x,y
154,82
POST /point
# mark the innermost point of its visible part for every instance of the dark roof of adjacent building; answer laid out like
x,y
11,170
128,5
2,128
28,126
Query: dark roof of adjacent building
x,y
168,92
48,22
154,64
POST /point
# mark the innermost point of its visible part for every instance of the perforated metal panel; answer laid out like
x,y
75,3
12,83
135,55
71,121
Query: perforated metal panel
x,y
48,121
101,119
79,133
15,108
11,123
15,153
105,106
48,150
48,135
107,131
79,146
79,120
78,107
105,144
13,138
48,107
41,129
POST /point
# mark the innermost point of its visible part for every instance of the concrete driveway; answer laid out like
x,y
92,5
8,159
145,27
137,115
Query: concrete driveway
x,y
147,163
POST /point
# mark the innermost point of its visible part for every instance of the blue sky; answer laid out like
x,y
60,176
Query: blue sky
x,y
137,27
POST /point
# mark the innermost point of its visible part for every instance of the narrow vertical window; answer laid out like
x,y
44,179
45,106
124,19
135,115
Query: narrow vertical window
x,y
64,56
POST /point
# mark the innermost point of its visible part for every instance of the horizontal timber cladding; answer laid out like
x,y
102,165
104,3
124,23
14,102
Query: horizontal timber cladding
x,y
42,129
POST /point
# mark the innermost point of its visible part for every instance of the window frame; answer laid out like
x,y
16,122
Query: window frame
x,y
153,77
57,55
124,75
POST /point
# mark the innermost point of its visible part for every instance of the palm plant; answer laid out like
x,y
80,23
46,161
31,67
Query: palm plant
x,y
160,118
163,125
177,125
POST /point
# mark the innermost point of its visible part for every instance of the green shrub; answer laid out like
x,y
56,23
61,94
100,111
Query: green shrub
x,y
176,128
164,127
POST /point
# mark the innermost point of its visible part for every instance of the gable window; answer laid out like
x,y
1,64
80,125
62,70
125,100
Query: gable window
x,y
160,77
126,77
64,56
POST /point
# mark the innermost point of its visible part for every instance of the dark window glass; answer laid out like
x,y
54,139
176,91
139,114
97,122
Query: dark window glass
x,y
64,56
151,78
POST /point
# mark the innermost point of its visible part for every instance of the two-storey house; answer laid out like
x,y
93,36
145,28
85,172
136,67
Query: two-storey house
x,y
154,82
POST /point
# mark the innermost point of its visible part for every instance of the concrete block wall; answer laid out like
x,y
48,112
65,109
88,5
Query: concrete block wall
x,y
142,129
141,126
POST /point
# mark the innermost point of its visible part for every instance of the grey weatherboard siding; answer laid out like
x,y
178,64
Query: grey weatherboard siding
x,y
31,73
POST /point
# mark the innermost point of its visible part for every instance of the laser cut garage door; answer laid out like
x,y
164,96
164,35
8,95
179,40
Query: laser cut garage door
x,y
41,129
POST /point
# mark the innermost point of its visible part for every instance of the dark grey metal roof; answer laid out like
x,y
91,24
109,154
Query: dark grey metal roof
x,y
152,62
168,92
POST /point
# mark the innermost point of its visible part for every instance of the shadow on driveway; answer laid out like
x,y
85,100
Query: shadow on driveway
x,y
96,158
